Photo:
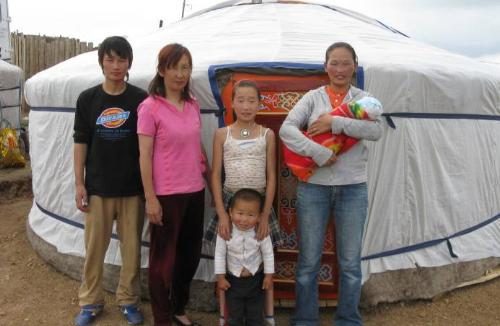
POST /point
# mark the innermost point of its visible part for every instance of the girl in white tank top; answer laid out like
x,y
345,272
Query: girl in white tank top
x,y
245,162
247,153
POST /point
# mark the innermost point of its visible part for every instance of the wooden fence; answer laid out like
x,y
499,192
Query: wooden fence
x,y
34,53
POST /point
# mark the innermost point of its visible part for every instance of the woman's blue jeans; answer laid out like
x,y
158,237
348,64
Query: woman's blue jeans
x,y
315,205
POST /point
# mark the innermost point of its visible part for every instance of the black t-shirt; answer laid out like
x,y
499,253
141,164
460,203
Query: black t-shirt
x,y
108,125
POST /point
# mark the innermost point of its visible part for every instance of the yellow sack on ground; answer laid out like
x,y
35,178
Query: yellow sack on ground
x,y
10,155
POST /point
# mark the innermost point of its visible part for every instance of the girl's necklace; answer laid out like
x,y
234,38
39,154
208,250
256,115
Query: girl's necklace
x,y
246,132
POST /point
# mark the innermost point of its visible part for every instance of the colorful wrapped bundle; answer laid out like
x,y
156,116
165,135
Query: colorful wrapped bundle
x,y
366,108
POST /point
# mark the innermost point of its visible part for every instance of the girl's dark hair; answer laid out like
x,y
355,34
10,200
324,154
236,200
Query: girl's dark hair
x,y
344,45
117,44
169,57
245,83
247,194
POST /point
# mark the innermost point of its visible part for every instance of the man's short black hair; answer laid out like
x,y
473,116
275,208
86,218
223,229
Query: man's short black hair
x,y
117,44
247,194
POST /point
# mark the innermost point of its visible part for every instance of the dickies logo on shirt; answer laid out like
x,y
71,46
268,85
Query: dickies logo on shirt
x,y
112,118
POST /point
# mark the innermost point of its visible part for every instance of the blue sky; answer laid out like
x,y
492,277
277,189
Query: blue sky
x,y
469,27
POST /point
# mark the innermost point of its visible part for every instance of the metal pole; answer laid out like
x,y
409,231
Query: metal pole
x,y
183,6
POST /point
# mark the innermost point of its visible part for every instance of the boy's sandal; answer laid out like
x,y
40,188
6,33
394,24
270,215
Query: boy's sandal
x,y
88,314
132,314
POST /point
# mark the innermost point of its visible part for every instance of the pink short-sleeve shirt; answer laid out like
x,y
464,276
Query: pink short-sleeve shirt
x,y
177,154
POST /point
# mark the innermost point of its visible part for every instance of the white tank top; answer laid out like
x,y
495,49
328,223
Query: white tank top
x,y
245,162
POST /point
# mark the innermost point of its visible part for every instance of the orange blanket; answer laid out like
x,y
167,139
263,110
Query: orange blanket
x,y
367,108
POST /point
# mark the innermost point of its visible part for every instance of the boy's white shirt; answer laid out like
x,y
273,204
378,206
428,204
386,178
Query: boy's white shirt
x,y
243,250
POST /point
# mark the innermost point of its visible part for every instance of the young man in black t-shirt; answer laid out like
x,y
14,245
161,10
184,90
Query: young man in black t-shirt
x,y
107,180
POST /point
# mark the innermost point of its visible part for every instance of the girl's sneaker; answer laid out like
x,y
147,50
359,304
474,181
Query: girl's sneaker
x,y
270,321
88,314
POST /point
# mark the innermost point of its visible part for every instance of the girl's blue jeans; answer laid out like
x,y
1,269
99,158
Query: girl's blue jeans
x,y
315,206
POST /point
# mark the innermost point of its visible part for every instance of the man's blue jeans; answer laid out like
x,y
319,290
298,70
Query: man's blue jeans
x,y
315,205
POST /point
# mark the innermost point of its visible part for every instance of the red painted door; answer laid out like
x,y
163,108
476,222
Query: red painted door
x,y
279,95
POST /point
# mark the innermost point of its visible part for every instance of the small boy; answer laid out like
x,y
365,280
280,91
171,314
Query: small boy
x,y
245,279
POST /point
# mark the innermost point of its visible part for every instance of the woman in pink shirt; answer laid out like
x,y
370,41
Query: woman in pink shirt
x,y
173,165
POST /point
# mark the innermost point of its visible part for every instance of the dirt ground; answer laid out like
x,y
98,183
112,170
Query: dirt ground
x,y
33,293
